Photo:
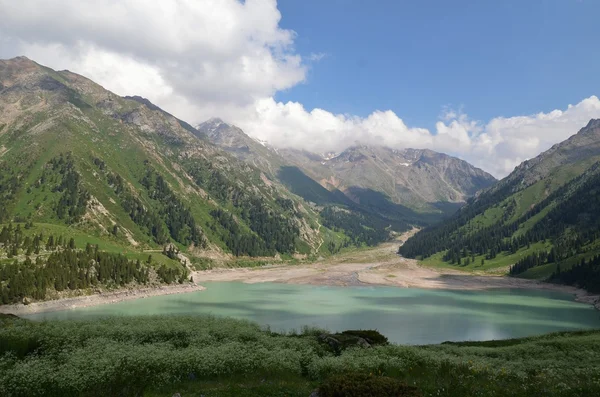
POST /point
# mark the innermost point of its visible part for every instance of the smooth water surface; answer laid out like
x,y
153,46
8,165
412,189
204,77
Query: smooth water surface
x,y
410,316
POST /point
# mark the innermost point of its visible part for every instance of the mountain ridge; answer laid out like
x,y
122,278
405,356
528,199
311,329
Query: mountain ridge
x,y
438,178
49,115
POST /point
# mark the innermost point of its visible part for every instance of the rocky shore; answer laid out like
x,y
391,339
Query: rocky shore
x,y
98,299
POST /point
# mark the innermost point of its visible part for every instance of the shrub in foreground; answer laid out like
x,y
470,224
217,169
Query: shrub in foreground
x,y
135,355
365,385
374,337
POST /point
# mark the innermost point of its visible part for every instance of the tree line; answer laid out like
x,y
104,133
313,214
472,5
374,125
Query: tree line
x,y
360,229
585,274
68,268
72,203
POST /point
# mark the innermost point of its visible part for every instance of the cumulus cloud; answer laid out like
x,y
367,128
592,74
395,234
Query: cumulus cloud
x,y
497,146
222,51
227,58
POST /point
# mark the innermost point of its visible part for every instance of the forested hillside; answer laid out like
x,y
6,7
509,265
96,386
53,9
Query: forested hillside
x,y
75,154
542,220
101,191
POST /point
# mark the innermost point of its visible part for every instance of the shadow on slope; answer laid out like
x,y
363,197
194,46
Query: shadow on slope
x,y
379,203
365,201
307,188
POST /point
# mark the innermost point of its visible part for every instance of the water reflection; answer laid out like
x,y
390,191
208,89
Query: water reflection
x,y
411,316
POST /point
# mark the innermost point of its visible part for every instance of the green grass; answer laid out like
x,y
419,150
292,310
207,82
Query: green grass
x,y
490,217
539,272
500,262
204,355
527,198
104,242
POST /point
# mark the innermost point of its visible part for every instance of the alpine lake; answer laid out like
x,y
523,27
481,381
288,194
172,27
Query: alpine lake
x,y
404,315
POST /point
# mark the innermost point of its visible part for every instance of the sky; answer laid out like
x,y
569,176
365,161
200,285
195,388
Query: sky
x,y
491,82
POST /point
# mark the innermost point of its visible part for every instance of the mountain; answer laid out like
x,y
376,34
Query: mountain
x,y
368,222
418,186
419,179
80,163
541,221
233,140
134,165
268,159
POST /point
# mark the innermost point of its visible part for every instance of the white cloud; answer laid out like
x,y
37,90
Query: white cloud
x,y
218,51
317,56
227,58
497,146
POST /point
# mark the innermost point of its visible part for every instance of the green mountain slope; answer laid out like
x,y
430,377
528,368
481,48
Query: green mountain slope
x,y
77,160
542,220
74,153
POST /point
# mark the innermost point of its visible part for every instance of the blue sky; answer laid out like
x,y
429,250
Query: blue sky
x,y
494,58
494,82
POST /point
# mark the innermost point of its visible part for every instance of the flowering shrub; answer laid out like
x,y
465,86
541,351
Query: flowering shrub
x,y
129,356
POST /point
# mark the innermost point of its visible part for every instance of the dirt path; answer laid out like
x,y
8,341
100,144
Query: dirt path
x,y
322,239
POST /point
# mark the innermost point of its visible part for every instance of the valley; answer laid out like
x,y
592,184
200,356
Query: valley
x,y
268,198
382,266
378,266
178,204
100,193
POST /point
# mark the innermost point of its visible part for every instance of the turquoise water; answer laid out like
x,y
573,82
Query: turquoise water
x,y
410,316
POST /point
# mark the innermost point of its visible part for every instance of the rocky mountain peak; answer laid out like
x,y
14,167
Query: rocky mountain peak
x,y
235,141
16,71
217,128
593,127
20,61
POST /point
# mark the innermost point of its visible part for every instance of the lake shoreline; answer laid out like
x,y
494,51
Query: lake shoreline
x,y
97,299
380,266
403,273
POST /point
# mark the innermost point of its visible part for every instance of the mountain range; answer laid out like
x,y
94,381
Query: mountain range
x,y
82,166
422,182
77,157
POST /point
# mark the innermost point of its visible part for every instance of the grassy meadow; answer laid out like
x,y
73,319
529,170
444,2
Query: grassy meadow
x,y
211,356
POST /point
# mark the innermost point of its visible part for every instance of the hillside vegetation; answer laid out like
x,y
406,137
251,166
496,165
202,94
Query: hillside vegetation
x,y
542,221
210,356
119,174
